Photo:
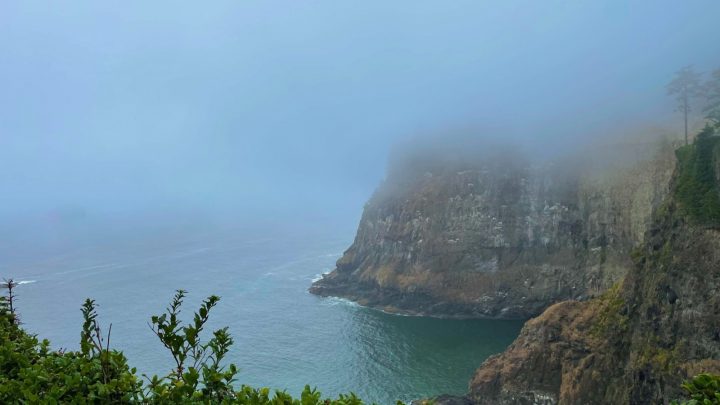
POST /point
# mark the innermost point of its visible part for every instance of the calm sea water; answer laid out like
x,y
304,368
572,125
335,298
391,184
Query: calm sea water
x,y
284,337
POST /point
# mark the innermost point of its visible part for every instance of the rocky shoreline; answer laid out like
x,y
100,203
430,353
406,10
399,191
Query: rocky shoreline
x,y
402,303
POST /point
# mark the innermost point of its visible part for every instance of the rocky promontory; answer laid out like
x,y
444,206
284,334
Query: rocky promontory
x,y
492,232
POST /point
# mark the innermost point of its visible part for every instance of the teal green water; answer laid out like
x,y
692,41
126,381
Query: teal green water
x,y
284,337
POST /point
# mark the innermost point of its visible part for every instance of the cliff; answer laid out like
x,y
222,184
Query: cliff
x,y
492,234
640,339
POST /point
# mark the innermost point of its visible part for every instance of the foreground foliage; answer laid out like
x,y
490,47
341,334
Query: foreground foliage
x,y
30,372
704,389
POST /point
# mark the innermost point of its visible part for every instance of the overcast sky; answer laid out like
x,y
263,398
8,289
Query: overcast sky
x,y
276,109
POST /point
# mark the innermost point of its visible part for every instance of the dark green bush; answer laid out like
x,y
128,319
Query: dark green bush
x,y
31,372
704,389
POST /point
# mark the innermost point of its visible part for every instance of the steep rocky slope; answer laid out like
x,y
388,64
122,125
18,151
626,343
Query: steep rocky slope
x,y
639,340
491,234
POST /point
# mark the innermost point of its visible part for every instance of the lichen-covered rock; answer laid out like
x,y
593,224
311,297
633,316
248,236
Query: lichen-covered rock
x,y
639,340
497,235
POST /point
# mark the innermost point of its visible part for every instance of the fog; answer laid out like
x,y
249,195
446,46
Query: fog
x,y
286,111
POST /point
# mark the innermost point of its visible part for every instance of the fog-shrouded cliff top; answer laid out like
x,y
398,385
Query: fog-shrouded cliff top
x,y
637,342
486,230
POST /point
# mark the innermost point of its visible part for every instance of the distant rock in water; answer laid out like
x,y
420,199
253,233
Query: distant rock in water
x,y
637,342
473,232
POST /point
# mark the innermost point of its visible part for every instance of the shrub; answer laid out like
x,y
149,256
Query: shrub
x,y
704,389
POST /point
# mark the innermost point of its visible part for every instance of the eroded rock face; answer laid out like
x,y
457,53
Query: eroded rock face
x,y
633,345
637,342
498,236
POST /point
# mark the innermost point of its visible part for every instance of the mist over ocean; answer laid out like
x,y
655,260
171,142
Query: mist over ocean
x,y
284,336
230,148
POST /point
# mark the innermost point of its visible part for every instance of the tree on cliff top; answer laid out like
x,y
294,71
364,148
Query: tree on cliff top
x,y
712,94
685,87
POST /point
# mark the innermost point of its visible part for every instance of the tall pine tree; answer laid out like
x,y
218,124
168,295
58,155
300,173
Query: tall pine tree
x,y
686,87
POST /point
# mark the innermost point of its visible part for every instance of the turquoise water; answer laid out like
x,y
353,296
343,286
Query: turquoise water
x,y
284,336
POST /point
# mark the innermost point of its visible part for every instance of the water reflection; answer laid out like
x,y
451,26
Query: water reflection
x,y
422,355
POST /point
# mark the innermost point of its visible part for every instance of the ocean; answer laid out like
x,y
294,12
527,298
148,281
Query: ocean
x,y
284,337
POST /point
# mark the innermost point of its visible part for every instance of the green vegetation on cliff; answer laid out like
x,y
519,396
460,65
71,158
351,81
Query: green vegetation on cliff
x,y
610,321
30,372
697,192
698,197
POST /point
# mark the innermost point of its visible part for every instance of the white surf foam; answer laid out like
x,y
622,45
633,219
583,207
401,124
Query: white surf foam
x,y
319,276
340,301
4,284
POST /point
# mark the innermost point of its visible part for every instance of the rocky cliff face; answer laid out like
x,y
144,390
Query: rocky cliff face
x,y
498,236
640,339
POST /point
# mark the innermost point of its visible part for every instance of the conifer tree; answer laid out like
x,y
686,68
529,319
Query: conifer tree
x,y
686,87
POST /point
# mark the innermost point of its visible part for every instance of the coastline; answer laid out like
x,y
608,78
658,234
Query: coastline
x,y
378,300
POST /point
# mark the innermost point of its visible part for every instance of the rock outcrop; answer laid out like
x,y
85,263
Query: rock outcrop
x,y
494,235
641,338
